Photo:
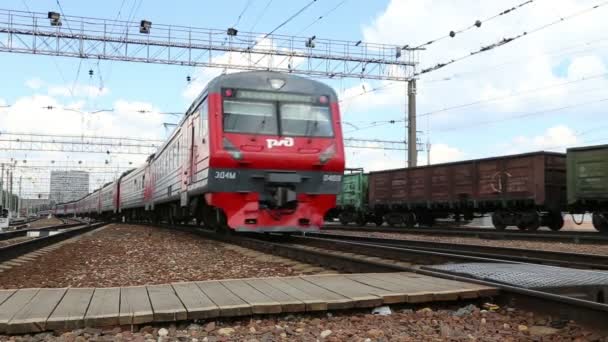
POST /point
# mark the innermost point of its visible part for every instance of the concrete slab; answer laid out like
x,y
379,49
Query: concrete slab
x,y
165,304
197,303
104,308
32,316
69,313
135,307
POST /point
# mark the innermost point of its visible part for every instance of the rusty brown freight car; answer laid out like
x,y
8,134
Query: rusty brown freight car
x,y
524,190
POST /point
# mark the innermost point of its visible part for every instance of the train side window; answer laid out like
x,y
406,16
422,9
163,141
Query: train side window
x,y
204,113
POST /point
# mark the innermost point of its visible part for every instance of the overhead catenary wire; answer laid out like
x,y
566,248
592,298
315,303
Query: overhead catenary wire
x,y
321,17
524,115
260,15
476,24
481,101
238,20
472,72
508,40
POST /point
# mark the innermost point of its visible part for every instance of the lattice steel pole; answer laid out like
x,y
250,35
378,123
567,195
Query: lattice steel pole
x,y
412,145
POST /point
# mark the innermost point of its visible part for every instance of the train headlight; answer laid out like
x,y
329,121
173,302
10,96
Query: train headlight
x,y
232,150
276,83
326,155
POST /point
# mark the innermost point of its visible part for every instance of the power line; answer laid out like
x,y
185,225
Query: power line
x,y
476,24
556,52
321,17
238,20
505,41
260,15
497,98
67,24
290,18
517,93
496,66
523,115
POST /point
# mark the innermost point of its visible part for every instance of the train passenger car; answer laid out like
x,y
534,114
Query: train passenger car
x,y
526,190
106,200
256,151
588,183
131,198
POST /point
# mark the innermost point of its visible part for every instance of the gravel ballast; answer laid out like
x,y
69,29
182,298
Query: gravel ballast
x,y
129,255
46,222
600,249
466,323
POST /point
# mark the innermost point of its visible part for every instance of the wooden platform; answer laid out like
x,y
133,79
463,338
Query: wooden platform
x,y
35,310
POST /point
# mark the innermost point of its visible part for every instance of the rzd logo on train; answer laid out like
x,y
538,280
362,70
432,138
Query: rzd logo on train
x,y
287,142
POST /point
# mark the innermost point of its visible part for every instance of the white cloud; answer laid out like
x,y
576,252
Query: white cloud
x,y
586,66
442,153
373,159
527,63
203,75
556,138
34,83
80,90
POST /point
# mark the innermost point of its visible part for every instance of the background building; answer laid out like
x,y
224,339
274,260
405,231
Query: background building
x,y
68,185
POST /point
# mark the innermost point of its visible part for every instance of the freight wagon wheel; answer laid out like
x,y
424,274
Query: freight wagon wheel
x,y
529,221
410,220
556,221
344,219
360,221
378,221
600,222
394,220
498,221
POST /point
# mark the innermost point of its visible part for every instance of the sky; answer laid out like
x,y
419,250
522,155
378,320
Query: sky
x,y
544,91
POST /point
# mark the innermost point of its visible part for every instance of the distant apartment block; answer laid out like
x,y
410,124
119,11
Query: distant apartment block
x,y
68,186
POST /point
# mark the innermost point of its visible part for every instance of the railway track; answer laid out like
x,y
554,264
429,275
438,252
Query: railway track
x,y
484,233
353,256
15,250
562,259
24,232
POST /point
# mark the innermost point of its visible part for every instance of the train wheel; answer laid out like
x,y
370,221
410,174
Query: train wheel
x,y
529,220
394,220
360,221
426,220
409,220
344,219
556,221
378,221
600,222
498,221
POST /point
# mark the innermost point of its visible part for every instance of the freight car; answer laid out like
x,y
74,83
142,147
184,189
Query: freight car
x,y
352,203
255,152
588,183
524,190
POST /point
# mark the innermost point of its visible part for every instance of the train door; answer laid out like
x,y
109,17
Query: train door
x,y
188,161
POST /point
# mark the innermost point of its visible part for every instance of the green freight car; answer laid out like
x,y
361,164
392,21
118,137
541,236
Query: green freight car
x,y
588,183
352,202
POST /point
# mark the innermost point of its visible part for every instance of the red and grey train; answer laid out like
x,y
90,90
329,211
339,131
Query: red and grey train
x,y
255,152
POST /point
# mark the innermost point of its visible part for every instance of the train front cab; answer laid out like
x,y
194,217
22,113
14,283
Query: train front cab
x,y
276,153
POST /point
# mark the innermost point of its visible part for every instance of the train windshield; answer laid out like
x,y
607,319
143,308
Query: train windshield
x,y
269,113
305,120
250,117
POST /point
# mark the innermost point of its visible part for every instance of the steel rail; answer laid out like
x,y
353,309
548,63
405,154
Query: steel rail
x,y
584,312
23,232
16,250
484,233
564,259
